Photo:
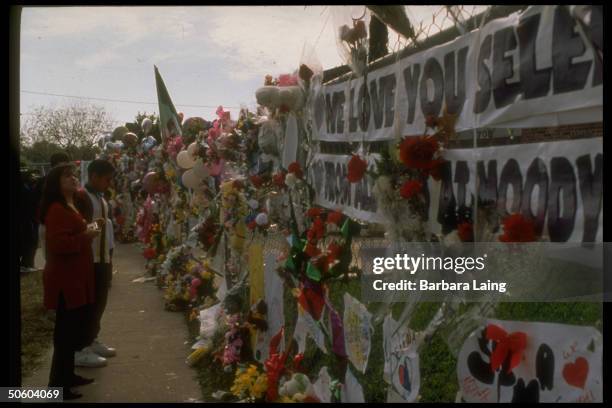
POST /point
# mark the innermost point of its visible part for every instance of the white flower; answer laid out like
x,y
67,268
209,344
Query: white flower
x,y
254,204
261,219
291,180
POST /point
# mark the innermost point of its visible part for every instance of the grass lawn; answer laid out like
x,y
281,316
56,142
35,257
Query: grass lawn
x,y
36,328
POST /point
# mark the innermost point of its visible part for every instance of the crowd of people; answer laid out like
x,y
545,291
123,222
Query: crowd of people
x,y
76,235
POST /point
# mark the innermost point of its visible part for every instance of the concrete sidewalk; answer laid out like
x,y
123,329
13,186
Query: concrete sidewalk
x,y
152,344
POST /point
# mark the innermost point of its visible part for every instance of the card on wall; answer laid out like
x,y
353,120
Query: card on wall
x,y
322,386
402,369
273,290
358,332
351,389
553,363
312,328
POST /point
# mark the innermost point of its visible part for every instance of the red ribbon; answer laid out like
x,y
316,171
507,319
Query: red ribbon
x,y
512,345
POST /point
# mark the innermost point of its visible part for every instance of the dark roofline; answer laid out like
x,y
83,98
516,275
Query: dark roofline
x,y
337,74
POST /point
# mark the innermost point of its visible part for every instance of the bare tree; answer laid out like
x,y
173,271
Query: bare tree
x,y
70,127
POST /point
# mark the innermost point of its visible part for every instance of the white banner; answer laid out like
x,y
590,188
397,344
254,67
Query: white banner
x,y
526,70
560,363
556,184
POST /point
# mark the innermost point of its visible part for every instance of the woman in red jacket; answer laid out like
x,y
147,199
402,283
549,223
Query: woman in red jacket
x,y
68,275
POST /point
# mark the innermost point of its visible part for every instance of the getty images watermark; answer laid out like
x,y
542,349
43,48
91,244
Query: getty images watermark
x,y
533,272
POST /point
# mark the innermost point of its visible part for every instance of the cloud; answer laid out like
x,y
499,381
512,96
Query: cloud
x,y
255,41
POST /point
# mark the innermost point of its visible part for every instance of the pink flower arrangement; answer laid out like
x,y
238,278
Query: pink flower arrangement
x,y
287,80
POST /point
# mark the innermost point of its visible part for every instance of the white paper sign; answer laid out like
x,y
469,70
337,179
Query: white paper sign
x,y
529,69
401,360
322,386
312,328
358,331
208,321
561,363
558,184
351,389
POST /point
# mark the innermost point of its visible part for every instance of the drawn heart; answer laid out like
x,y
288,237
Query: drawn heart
x,y
576,373
404,377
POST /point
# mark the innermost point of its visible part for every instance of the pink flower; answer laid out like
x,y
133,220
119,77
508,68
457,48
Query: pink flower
x,y
287,80
220,112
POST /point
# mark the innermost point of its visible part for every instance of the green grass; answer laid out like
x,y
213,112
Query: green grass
x,y
36,328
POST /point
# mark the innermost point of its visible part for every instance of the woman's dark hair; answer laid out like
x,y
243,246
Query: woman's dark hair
x,y
52,190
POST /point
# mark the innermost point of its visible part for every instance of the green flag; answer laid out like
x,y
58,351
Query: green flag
x,y
169,122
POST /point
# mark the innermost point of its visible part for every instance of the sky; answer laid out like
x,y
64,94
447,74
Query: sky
x,y
207,55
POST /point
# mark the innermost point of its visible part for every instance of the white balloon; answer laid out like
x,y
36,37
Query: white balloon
x,y
146,125
190,180
192,149
185,160
268,96
292,97
200,169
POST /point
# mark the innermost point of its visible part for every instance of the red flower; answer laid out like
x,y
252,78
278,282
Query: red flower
x,y
314,212
279,179
335,217
411,188
252,225
356,169
312,302
311,250
297,360
149,253
507,345
518,229
317,230
256,180
418,152
466,232
436,170
296,169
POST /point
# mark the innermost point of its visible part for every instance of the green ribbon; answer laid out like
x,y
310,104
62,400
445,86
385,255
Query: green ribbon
x,y
313,273
346,228
289,264
335,387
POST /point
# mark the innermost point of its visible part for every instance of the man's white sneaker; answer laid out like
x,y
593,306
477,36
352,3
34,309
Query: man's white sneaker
x,y
87,358
102,349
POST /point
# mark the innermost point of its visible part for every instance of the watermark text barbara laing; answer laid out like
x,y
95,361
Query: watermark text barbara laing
x,y
529,272
412,264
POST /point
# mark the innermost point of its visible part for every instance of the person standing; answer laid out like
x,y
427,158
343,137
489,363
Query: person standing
x,y
28,223
95,207
68,276
55,160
